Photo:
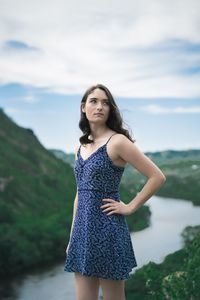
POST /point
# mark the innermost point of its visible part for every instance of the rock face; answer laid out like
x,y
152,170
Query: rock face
x,y
4,182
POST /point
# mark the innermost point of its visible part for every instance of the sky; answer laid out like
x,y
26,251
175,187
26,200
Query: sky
x,y
147,52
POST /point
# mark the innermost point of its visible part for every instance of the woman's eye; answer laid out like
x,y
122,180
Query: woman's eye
x,y
94,100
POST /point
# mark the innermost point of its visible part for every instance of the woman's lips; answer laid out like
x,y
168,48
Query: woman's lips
x,y
98,114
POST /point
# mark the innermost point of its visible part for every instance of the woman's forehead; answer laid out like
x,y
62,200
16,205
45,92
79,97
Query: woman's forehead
x,y
99,94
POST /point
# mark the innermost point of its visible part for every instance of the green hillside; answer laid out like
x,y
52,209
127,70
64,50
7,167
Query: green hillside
x,y
177,277
183,175
36,200
68,158
182,170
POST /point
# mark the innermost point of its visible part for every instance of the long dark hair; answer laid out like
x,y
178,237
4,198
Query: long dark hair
x,y
114,120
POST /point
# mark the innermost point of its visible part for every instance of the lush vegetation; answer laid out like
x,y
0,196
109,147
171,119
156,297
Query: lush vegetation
x,y
36,200
182,170
141,218
177,277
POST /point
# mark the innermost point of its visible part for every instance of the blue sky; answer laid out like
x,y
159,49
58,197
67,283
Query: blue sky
x,y
146,52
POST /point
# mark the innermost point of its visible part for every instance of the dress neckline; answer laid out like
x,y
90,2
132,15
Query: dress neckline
x,y
95,152
84,160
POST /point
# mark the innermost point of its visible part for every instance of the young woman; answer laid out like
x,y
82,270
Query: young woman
x,y
100,252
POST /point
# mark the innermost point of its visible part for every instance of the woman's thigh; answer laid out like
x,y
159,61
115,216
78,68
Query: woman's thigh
x,y
112,289
87,287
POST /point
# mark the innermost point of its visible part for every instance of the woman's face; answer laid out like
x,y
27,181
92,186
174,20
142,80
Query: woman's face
x,y
97,106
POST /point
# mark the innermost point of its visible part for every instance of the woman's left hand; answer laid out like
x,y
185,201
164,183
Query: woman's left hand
x,y
115,207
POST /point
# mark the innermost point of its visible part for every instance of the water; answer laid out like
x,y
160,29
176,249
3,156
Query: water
x,y
169,217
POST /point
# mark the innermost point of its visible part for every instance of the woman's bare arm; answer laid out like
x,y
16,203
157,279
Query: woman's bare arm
x,y
130,153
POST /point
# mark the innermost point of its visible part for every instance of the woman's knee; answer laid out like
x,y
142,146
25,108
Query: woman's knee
x,y
112,289
87,287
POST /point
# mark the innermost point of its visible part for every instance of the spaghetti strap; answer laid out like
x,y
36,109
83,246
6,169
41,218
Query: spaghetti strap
x,y
101,146
110,138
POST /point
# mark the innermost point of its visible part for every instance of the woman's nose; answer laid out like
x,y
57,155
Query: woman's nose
x,y
99,106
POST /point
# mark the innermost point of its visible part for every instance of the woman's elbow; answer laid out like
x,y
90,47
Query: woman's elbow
x,y
162,178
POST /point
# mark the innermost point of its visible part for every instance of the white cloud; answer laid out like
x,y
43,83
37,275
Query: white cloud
x,y
157,109
30,99
117,44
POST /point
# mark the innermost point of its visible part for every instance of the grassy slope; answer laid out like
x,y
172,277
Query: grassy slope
x,y
182,170
177,277
36,200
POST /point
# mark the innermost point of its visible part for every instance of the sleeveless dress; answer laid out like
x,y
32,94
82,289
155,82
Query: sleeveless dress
x,y
100,244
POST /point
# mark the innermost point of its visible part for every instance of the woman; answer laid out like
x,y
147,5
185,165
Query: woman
x,y
100,251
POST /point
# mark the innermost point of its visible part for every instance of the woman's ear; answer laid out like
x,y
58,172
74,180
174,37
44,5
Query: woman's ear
x,y
83,107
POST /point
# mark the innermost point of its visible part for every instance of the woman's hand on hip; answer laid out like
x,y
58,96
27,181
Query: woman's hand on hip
x,y
115,207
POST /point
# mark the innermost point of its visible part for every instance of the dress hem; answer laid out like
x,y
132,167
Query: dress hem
x,y
98,275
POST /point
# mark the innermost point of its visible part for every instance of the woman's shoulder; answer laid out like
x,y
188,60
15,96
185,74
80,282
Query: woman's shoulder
x,y
119,137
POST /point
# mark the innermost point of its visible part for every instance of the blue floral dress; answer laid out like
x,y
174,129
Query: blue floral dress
x,y
100,244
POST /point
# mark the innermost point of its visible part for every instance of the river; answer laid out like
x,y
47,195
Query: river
x,y
169,217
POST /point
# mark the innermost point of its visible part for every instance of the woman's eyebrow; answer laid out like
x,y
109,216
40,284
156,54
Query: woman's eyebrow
x,y
97,98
